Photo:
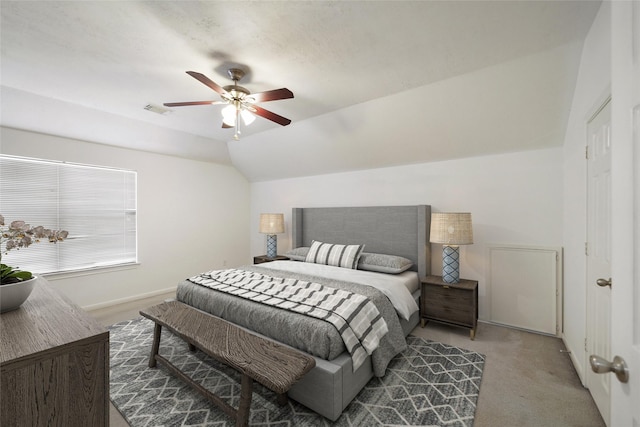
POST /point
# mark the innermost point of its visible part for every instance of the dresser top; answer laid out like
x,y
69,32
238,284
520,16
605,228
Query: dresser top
x,y
46,323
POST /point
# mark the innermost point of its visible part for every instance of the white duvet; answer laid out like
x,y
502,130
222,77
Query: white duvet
x,y
394,286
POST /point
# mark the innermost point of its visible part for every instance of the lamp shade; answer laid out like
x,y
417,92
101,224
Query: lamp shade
x,y
229,115
451,228
271,223
247,117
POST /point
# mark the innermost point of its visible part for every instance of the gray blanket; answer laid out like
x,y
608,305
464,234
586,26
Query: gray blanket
x,y
313,336
355,317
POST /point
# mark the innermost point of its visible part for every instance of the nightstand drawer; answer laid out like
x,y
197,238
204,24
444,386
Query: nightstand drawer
x,y
454,313
446,296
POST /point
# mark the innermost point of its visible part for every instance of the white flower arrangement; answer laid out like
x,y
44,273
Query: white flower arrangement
x,y
19,235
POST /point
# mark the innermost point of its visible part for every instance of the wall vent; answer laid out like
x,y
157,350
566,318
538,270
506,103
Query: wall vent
x,y
159,109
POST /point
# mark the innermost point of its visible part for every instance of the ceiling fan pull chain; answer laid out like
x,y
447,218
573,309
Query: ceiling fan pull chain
x,y
236,136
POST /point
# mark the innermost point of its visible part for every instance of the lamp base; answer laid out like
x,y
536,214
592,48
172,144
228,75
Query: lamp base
x,y
450,264
272,245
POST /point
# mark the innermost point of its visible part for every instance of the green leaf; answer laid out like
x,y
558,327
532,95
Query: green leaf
x,y
12,275
22,275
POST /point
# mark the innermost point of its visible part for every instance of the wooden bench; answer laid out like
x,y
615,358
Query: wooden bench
x,y
273,365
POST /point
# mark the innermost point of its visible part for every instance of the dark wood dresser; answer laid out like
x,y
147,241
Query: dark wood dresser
x,y
54,364
451,303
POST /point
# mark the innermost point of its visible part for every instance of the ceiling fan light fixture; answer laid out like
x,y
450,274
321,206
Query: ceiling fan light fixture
x,y
247,117
240,102
229,115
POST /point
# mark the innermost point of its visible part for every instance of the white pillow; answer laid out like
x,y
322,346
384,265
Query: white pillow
x,y
337,255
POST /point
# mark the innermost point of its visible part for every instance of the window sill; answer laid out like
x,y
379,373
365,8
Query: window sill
x,y
89,271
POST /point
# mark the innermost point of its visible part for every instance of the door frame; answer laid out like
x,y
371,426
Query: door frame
x,y
591,379
625,332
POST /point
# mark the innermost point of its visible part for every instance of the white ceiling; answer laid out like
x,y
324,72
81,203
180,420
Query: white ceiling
x,y
375,83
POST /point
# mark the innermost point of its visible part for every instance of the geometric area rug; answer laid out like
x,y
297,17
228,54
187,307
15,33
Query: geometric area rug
x,y
429,384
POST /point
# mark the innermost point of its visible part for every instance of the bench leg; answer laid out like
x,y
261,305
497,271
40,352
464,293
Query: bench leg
x,y
246,390
156,345
226,408
282,399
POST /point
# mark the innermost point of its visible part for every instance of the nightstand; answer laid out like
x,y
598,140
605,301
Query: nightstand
x,y
263,258
451,303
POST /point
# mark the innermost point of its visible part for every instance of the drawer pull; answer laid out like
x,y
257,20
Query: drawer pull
x,y
446,286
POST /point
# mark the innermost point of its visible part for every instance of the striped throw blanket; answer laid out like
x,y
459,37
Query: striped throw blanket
x,y
355,317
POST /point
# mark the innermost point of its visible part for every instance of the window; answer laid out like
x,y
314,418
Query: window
x,y
96,205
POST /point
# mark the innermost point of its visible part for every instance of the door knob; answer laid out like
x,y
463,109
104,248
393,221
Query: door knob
x,y
618,366
604,282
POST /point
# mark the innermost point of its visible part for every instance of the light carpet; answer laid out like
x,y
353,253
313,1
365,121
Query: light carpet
x,y
429,384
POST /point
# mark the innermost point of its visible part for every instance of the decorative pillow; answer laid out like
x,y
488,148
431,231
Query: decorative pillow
x,y
337,255
383,263
298,254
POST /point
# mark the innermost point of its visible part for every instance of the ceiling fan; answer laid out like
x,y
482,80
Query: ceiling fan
x,y
240,102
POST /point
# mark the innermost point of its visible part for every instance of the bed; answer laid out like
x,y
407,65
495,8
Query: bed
x,y
401,231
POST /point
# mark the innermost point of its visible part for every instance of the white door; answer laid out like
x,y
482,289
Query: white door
x,y
625,293
599,252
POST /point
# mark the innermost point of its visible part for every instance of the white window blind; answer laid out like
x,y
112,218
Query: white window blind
x,y
96,205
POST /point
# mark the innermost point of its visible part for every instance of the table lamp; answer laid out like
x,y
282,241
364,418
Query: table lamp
x,y
451,230
272,224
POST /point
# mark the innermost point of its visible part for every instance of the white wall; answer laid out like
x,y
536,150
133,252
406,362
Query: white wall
x,y
192,216
592,88
514,199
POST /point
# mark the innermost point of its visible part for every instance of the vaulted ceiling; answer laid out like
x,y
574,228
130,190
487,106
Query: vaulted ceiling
x,y
376,83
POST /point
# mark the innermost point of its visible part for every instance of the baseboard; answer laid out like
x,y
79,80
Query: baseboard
x,y
577,365
490,322
129,299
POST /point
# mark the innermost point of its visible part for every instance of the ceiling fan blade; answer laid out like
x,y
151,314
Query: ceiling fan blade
x,y
226,126
208,82
272,95
270,115
182,104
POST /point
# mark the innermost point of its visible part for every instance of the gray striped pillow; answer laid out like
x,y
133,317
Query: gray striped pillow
x,y
337,255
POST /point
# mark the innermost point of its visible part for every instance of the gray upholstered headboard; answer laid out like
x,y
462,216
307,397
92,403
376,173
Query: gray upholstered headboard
x,y
392,230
